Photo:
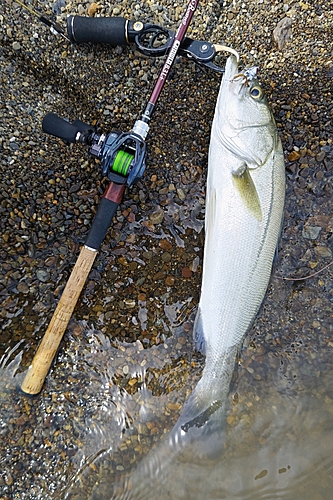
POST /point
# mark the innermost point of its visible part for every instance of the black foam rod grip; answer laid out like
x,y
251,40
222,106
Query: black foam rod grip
x,y
110,30
102,221
54,125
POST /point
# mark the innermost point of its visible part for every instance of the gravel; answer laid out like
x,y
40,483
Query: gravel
x,y
145,282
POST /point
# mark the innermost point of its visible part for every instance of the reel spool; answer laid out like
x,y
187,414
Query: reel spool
x,y
122,162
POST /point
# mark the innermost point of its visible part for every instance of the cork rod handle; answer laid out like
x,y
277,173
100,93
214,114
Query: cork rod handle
x,y
41,363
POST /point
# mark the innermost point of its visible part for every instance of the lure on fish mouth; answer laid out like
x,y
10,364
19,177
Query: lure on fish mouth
x,y
248,75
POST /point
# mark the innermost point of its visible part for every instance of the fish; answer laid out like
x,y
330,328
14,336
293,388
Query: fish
x,y
244,213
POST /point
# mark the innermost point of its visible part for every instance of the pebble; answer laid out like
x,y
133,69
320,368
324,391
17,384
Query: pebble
x,y
311,232
16,45
92,9
42,275
293,156
23,288
157,215
166,257
320,156
282,34
323,252
186,272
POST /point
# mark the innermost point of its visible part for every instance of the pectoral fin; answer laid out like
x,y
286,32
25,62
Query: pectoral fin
x,y
247,190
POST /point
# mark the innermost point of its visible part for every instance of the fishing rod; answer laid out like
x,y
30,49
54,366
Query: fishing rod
x,y
54,27
122,157
151,40
123,161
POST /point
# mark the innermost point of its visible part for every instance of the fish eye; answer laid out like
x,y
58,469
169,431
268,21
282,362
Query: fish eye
x,y
256,93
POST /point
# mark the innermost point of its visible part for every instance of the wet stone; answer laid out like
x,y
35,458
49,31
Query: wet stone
x,y
311,232
42,275
320,156
22,287
166,257
157,216
186,272
50,261
323,252
147,255
283,32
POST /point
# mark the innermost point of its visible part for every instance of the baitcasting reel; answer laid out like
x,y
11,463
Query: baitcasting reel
x,y
122,154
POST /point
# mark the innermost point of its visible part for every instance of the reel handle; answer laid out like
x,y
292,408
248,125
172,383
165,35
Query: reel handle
x,y
111,30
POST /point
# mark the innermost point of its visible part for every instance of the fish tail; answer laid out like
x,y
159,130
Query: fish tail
x,y
202,420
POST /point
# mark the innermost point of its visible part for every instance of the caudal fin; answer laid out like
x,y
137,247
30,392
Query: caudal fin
x,y
202,420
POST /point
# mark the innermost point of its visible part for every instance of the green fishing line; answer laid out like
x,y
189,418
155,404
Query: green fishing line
x,y
122,162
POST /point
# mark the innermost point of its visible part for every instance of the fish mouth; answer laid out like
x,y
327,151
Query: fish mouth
x,y
231,68
235,79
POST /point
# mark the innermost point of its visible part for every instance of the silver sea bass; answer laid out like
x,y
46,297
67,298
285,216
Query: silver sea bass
x,y
244,211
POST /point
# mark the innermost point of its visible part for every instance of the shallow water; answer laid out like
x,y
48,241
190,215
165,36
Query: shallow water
x,y
276,442
102,432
